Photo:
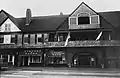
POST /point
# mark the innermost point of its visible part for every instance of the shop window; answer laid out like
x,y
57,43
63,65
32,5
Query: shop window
x,y
13,38
26,39
1,38
36,59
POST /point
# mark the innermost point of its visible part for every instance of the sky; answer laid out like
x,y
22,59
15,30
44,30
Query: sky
x,y
17,8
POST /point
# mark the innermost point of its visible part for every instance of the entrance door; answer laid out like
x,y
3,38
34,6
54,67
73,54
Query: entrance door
x,y
25,60
84,60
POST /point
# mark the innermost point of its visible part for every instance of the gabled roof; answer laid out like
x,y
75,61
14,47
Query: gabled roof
x,y
5,16
42,23
52,23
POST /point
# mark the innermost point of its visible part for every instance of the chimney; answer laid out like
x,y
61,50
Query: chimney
x,y
28,17
61,13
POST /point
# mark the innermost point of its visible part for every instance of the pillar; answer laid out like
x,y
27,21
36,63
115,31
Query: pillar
x,y
28,60
13,60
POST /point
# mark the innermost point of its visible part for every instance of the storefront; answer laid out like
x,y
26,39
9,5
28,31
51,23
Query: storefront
x,y
55,58
31,58
8,56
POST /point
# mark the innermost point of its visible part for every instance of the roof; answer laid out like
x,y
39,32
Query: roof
x,y
51,23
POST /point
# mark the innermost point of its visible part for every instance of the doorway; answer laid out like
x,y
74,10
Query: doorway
x,y
25,60
84,60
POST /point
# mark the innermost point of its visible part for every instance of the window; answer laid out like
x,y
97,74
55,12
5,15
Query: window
x,y
83,20
39,38
1,38
7,27
26,39
13,38
79,20
32,38
46,37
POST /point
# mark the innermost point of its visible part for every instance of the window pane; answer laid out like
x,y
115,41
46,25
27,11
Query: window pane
x,y
83,20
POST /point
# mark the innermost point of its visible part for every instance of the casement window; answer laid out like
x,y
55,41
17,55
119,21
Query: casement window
x,y
1,38
13,38
39,38
7,27
26,39
81,20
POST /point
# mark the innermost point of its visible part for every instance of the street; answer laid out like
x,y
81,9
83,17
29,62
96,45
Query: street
x,y
40,72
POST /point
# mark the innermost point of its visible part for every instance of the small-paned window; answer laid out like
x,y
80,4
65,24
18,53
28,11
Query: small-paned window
x,y
13,38
7,27
26,39
83,20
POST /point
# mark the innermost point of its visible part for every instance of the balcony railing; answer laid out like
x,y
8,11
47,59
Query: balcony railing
x,y
87,43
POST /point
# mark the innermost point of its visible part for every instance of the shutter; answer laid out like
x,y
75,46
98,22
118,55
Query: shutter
x,y
95,19
1,38
19,39
72,20
13,38
32,38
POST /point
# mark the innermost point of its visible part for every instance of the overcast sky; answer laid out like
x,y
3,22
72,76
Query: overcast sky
x,y
54,7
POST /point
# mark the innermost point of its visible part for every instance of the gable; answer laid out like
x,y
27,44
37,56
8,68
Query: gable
x,y
9,26
83,8
84,18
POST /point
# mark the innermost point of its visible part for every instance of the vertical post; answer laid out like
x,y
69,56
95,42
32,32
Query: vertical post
x,y
28,60
109,36
23,60
8,58
1,56
13,58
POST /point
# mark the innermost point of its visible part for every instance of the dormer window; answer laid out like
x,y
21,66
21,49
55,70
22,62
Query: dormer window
x,y
82,20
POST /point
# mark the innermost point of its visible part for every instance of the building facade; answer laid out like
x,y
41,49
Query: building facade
x,y
84,38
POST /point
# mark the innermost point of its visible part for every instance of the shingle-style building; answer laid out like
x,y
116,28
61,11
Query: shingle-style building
x,y
84,38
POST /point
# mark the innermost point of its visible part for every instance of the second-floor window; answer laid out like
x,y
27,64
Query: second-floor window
x,y
39,38
26,39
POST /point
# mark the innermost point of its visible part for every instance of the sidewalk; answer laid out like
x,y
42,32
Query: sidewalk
x,y
69,71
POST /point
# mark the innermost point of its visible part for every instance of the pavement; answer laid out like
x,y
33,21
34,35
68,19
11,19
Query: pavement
x,y
55,72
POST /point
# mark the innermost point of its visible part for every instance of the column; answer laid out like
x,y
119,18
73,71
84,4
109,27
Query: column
x,y
28,60
23,60
13,58
8,58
